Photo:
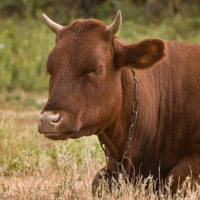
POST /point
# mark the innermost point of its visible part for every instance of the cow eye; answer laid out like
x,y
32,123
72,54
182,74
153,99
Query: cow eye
x,y
96,72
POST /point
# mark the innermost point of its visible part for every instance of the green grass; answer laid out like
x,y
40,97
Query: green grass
x,y
24,48
25,45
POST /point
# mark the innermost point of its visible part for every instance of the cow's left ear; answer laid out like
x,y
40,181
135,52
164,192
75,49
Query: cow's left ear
x,y
139,55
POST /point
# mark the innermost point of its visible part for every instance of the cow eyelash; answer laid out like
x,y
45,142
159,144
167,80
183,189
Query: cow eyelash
x,y
95,71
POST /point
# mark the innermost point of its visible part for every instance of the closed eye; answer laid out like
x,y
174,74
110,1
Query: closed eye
x,y
96,72
91,70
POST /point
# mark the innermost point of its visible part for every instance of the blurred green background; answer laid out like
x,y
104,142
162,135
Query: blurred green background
x,y
25,40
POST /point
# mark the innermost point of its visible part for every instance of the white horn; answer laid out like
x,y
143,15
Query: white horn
x,y
56,28
114,27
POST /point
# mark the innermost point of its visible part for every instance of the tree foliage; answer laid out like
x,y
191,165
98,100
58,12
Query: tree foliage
x,y
96,8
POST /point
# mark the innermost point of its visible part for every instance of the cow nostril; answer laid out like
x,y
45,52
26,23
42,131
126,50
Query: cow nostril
x,y
56,118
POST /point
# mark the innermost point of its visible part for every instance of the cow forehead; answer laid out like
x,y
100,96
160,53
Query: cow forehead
x,y
82,44
84,35
81,52
85,42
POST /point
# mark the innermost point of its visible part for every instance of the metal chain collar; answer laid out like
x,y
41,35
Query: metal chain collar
x,y
131,129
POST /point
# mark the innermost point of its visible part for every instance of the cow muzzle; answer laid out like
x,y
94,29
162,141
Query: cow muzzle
x,y
48,123
56,124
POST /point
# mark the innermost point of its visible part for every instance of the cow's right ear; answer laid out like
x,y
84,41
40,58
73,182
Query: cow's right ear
x,y
139,55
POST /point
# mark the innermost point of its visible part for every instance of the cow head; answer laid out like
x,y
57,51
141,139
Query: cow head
x,y
85,90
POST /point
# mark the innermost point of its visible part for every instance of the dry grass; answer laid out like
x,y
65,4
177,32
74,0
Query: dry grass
x,y
32,167
76,184
65,183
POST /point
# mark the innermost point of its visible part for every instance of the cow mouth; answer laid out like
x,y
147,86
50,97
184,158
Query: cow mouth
x,y
51,135
46,134
58,135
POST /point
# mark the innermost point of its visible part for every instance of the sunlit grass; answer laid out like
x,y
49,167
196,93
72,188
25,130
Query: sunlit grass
x,y
33,167
30,163
23,149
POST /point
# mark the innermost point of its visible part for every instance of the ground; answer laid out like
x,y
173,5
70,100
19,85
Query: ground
x,y
33,167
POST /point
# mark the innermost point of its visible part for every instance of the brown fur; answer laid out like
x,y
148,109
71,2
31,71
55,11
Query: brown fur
x,y
91,87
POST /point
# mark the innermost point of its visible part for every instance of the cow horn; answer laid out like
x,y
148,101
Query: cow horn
x,y
114,27
56,28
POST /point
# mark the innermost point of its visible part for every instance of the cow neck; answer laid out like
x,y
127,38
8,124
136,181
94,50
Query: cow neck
x,y
135,108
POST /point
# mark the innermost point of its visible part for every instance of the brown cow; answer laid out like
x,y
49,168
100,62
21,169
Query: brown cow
x,y
92,92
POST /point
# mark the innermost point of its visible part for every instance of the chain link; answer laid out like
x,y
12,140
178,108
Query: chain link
x,y
135,110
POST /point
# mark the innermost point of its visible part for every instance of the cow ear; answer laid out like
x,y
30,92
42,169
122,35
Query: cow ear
x,y
140,55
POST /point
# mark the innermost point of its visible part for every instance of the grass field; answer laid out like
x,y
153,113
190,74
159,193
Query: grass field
x,y
33,167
